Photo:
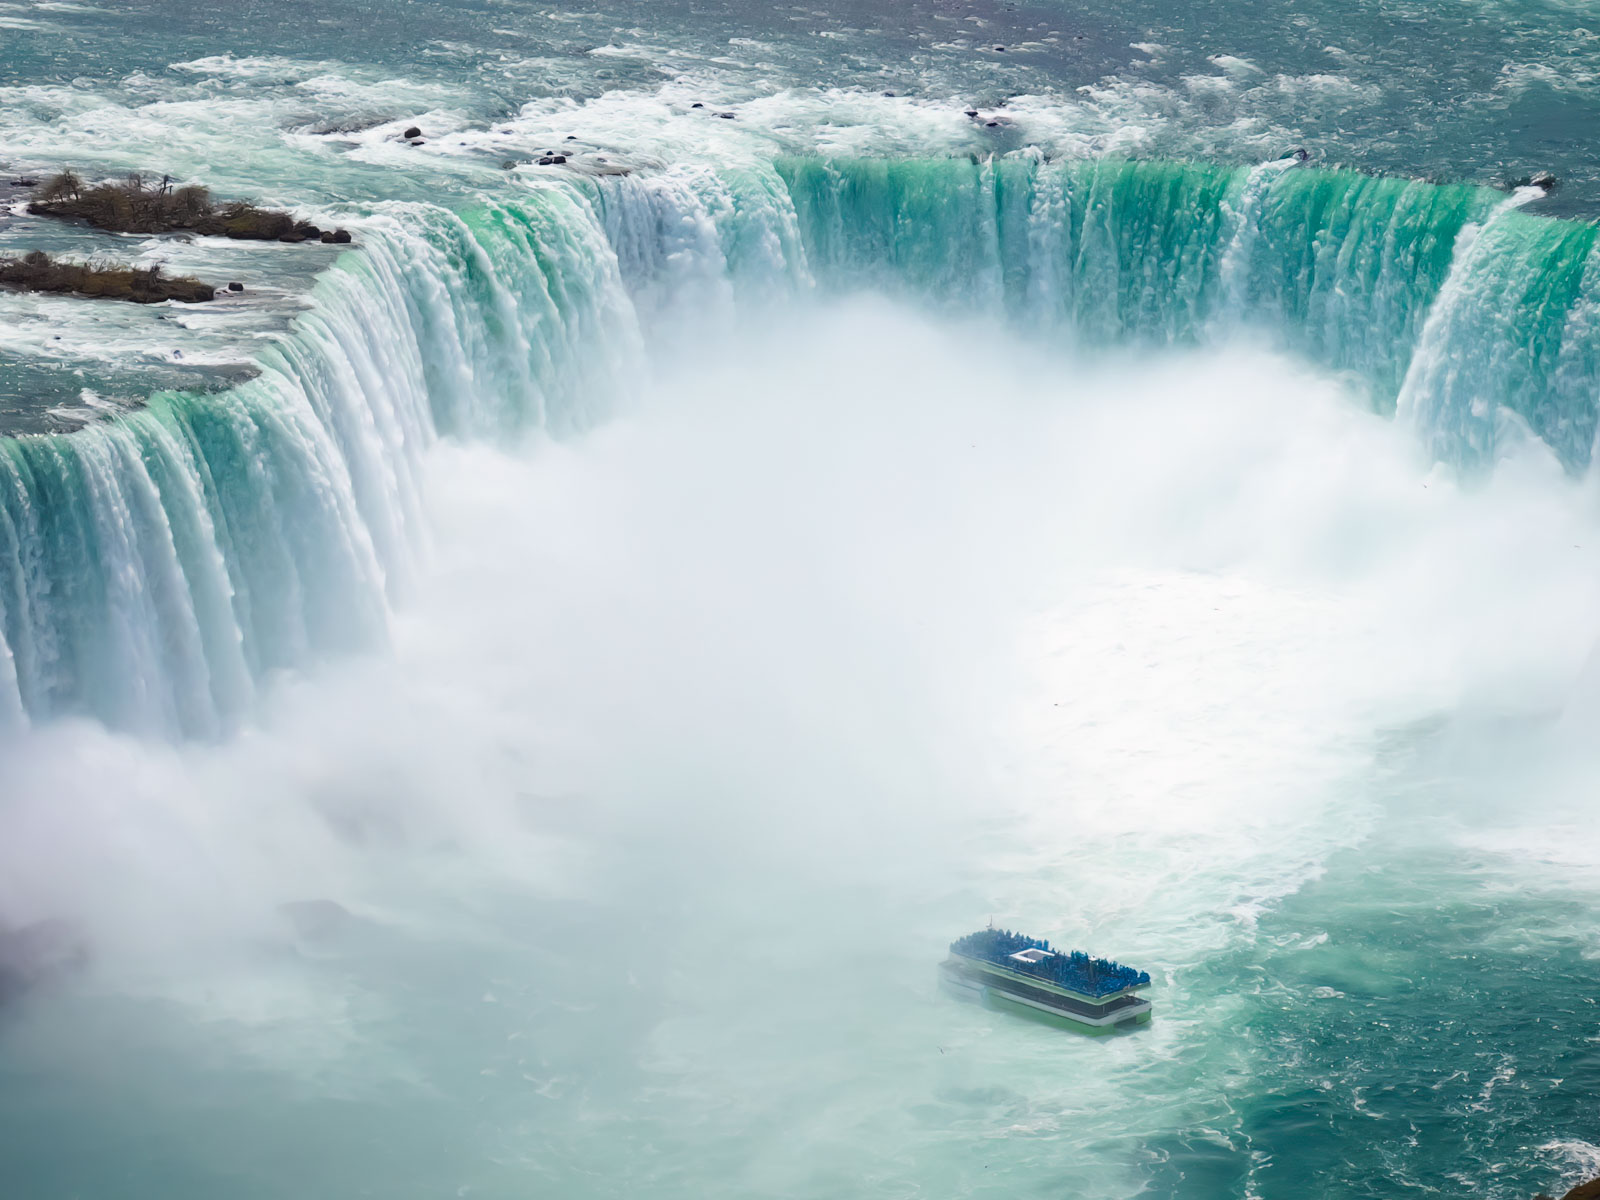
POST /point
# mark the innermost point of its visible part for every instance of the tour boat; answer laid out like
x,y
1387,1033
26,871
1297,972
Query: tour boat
x,y
1023,974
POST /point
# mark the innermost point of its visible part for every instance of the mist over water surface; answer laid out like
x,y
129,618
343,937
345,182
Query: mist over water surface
x,y
705,729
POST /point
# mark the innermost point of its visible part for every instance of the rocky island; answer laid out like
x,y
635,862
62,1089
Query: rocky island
x,y
36,271
133,205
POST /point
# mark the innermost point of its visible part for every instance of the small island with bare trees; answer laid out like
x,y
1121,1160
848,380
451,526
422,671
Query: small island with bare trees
x,y
135,205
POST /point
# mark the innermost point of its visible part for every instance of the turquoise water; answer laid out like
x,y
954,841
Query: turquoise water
x,y
651,606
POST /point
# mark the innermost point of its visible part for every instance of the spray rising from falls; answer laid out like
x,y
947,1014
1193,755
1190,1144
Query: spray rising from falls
x,y
154,568
1444,300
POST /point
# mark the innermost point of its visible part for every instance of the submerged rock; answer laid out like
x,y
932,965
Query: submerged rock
x,y
1584,1191
32,955
316,920
1543,180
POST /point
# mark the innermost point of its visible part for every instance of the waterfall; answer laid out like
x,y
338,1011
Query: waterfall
x,y
155,567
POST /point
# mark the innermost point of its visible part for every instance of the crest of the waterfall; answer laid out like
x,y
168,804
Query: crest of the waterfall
x,y
12,715
1437,396
1511,331
696,246
1242,212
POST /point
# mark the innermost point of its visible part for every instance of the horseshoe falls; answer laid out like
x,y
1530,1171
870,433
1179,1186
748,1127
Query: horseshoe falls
x,y
520,704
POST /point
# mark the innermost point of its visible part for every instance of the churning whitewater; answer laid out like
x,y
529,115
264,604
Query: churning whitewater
x,y
519,705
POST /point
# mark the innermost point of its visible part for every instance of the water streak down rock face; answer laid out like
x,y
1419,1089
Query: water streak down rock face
x,y
153,568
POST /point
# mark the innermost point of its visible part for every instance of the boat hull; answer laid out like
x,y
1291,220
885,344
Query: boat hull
x,y
983,987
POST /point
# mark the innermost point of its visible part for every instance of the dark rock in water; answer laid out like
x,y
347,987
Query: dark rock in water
x,y
991,124
24,182
327,238
559,159
508,165
1543,180
35,954
973,113
572,137
890,95
294,236
697,104
1584,1191
316,920
341,236
311,231
547,160
726,116
418,142
236,286
412,132
1000,49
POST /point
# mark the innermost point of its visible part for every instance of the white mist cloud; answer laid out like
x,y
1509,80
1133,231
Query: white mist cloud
x,y
705,731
